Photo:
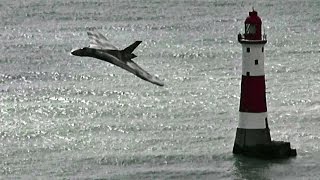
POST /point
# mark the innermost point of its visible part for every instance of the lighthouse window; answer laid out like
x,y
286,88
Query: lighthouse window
x,y
256,62
250,29
248,73
248,50
262,49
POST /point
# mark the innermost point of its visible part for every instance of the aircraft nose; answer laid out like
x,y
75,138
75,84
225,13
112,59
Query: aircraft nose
x,y
76,52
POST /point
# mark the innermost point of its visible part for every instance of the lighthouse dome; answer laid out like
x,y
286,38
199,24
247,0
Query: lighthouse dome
x,y
253,18
253,26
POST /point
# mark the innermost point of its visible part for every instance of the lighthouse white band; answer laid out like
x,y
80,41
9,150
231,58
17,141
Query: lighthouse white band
x,y
252,59
252,120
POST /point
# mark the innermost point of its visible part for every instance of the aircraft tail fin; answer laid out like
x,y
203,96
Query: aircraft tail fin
x,y
131,48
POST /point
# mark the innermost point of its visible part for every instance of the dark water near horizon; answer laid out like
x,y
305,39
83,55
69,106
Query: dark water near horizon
x,y
65,117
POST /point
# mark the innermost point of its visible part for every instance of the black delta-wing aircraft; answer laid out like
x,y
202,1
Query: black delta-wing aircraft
x,y
101,49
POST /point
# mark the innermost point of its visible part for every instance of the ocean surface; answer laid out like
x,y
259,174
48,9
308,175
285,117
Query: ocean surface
x,y
67,117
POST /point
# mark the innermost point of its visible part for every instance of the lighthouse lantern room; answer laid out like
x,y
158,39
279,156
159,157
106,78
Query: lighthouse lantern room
x,y
253,134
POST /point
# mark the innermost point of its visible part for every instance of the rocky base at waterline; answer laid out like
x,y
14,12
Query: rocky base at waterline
x,y
272,150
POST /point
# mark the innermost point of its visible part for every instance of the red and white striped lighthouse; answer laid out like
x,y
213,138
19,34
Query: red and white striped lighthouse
x,y
253,133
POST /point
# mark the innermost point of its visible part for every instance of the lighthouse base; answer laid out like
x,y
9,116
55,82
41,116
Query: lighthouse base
x,y
257,143
272,150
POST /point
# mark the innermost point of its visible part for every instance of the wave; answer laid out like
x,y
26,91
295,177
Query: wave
x,y
161,159
46,76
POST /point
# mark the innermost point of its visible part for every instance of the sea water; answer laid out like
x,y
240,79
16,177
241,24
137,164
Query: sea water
x,y
67,117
